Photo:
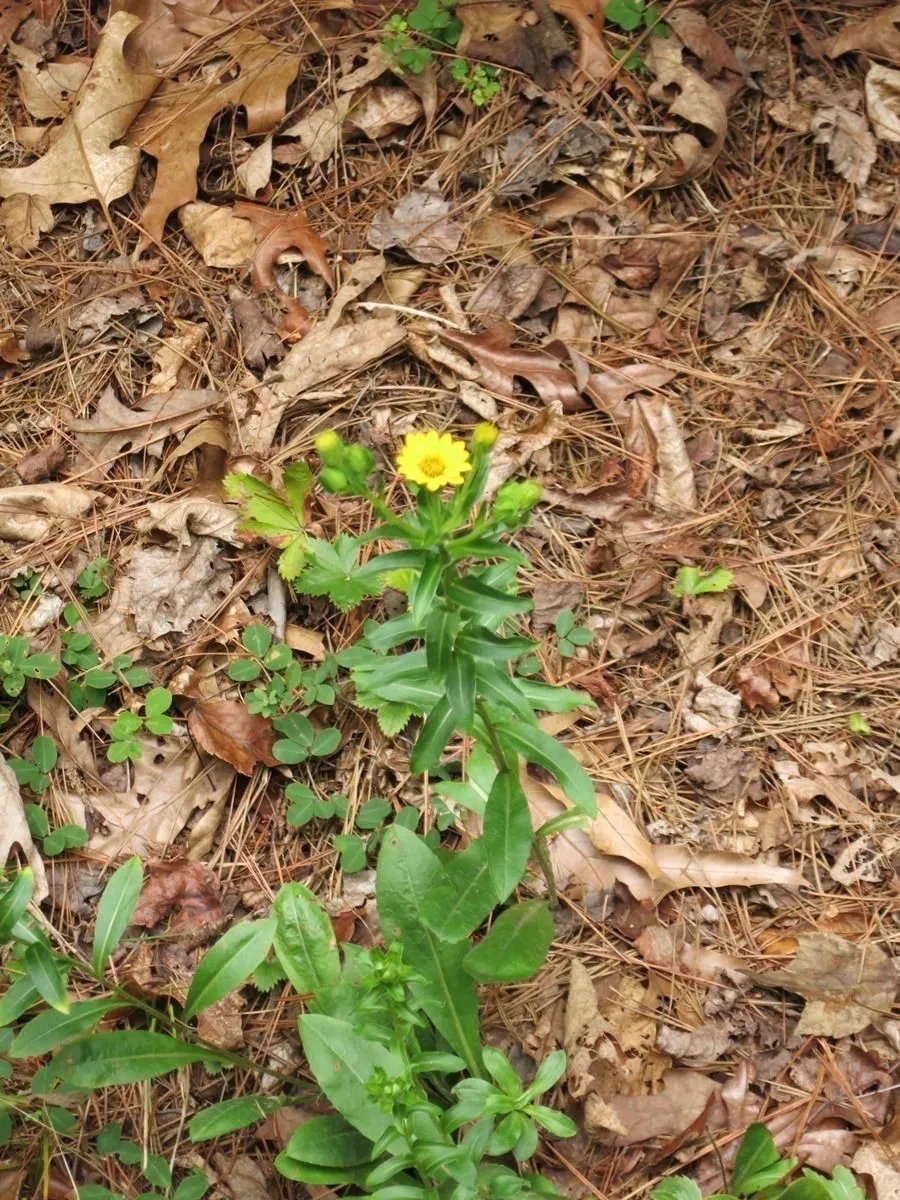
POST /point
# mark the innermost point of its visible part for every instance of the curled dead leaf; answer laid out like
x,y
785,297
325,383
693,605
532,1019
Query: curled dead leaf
x,y
695,103
277,230
225,729
878,35
28,513
187,891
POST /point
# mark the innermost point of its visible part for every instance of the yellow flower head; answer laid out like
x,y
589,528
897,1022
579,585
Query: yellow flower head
x,y
433,460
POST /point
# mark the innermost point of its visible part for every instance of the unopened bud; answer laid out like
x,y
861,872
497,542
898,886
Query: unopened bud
x,y
484,435
333,480
330,448
359,459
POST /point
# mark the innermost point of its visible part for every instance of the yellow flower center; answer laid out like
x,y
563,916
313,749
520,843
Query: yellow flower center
x,y
432,465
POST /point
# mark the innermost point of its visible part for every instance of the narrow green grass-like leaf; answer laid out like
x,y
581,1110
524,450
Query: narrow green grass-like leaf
x,y
50,1029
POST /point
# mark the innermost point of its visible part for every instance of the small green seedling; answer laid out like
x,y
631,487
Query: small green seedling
x,y
857,724
299,741
127,725
306,806
89,682
759,1170
478,81
411,40
275,516
570,636
691,581
34,771
283,678
93,582
27,583
17,664
634,16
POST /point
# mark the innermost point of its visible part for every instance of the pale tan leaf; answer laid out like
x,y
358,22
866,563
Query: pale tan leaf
x,y
319,133
187,516
846,985
305,641
883,102
684,1098
876,1161
28,513
88,161
322,355
25,218
684,867
254,171
219,237
172,357
420,224
14,829
381,110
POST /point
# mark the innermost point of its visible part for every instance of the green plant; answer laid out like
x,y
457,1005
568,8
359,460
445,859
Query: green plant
x,y
27,583
128,725
692,581
479,81
34,771
300,741
284,680
411,40
760,1171
570,636
93,581
88,682
858,725
276,516
18,664
634,16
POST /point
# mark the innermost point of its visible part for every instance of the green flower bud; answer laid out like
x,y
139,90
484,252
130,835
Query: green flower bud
x,y
515,500
330,448
333,480
359,459
484,436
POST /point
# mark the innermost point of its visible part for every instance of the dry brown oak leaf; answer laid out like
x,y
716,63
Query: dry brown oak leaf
x,y
173,126
279,229
87,161
225,729
878,35
846,985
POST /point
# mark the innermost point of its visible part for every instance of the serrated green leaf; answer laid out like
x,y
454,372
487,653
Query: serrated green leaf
x,y
228,964
393,717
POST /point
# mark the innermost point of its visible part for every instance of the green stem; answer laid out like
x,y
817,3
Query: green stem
x,y
539,848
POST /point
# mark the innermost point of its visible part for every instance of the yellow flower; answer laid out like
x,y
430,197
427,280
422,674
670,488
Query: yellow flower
x,y
433,460
484,435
